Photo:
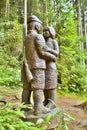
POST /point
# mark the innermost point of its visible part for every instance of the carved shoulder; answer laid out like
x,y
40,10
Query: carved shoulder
x,y
55,45
39,37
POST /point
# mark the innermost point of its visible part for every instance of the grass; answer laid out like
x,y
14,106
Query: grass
x,y
79,96
9,90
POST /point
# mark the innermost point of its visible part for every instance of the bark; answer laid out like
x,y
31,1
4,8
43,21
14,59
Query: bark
x,y
7,9
43,4
29,9
80,26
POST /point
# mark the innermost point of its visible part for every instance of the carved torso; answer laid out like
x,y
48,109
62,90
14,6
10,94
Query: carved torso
x,y
51,44
33,58
51,71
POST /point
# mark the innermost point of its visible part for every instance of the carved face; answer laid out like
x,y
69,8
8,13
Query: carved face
x,y
38,26
46,33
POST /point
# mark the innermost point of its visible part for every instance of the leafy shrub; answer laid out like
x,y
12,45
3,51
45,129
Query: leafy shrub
x,y
13,119
10,53
9,76
71,72
10,40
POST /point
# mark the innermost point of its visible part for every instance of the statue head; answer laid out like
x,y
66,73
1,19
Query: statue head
x,y
34,22
33,18
49,32
52,31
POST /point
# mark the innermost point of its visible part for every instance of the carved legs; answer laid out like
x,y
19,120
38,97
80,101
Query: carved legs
x,y
50,98
45,97
26,96
38,103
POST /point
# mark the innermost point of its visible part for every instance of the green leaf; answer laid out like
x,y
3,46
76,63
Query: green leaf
x,y
48,118
30,123
2,128
66,127
69,116
39,121
10,127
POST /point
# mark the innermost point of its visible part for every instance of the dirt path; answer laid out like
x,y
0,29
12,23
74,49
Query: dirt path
x,y
66,103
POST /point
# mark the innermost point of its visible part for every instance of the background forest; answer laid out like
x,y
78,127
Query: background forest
x,y
68,17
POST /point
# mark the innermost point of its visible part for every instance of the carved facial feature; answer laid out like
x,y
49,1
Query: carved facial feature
x,y
46,33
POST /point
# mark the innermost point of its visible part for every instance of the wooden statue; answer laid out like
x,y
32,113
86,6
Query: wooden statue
x,y
37,54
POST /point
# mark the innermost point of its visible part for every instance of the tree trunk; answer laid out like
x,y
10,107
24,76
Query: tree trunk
x,y
7,9
29,7
43,9
80,27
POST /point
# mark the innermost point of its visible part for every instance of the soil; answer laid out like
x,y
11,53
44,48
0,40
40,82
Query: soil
x,y
64,102
68,105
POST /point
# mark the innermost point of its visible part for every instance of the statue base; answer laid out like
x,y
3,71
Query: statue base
x,y
55,114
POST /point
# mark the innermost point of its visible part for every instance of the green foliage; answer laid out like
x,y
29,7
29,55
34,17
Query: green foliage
x,y
10,44
10,53
50,116
64,121
11,37
12,119
9,76
8,60
73,77
72,74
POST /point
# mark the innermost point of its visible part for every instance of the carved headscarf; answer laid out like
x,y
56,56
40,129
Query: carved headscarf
x,y
52,31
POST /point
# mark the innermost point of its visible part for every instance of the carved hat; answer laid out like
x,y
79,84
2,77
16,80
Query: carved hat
x,y
33,18
52,31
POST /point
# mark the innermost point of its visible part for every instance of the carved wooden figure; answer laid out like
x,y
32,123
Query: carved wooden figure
x,y
37,53
51,71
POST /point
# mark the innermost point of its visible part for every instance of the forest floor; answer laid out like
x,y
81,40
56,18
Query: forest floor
x,y
65,102
68,105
